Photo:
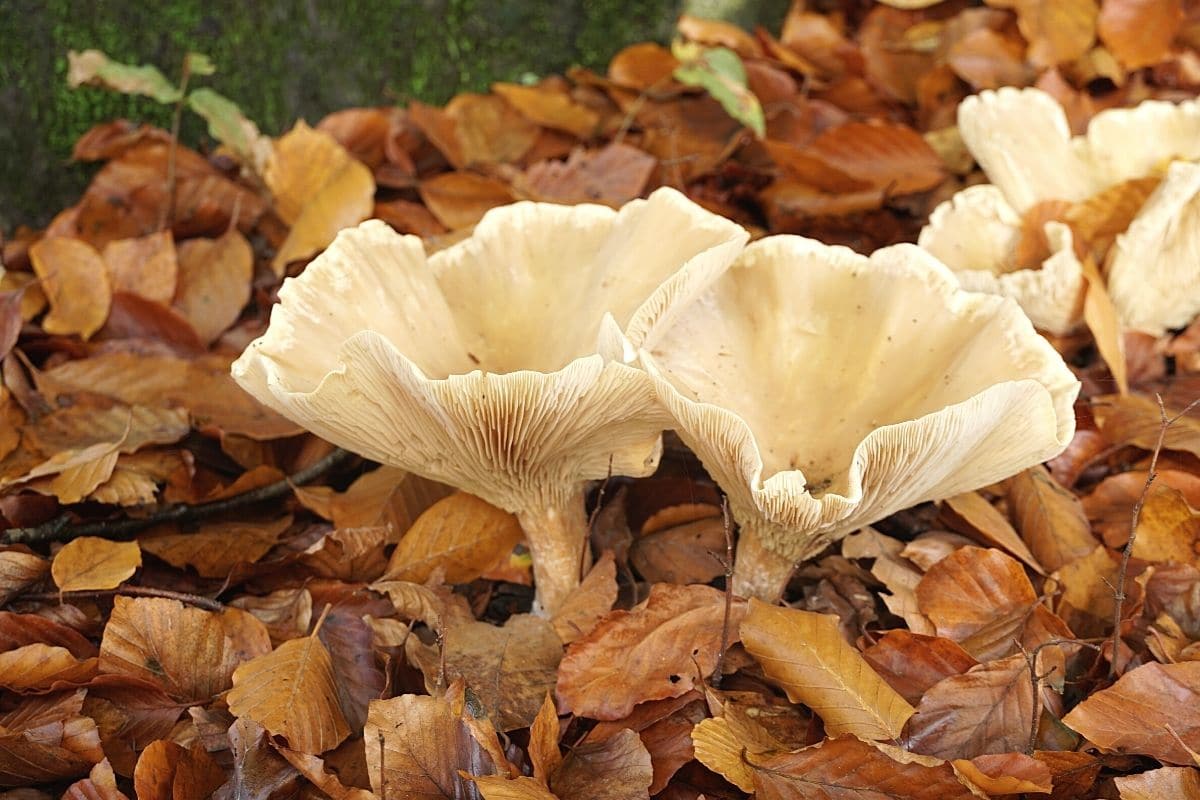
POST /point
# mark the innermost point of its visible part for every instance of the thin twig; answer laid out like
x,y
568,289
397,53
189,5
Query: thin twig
x,y
1119,597
167,217
1036,679
199,601
727,562
60,528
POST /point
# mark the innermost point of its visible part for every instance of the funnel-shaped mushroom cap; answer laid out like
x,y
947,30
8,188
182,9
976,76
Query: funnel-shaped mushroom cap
x,y
1021,139
824,390
498,364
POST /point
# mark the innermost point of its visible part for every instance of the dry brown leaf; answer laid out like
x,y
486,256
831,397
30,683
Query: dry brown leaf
x,y
351,645
805,654
887,156
416,746
44,739
76,284
145,266
460,199
291,693
18,572
460,535
1086,602
189,652
100,784
215,549
1058,31
286,613
1139,32
613,175
489,130
689,553
439,129
38,667
1179,782
972,515
1051,519
362,131
349,554
1006,773
17,630
549,107
988,709
846,768
895,572
258,771
1168,528
642,66
988,59
214,282
168,771
980,598
1101,317
1098,219
588,602
1150,710
544,754
497,787
386,496
1134,419
658,649
89,562
722,746
617,768
313,769
912,663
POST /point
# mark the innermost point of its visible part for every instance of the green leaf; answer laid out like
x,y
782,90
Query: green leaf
x,y
228,125
94,68
719,71
200,64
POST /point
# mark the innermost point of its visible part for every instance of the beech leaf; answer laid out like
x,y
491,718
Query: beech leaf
x,y
88,563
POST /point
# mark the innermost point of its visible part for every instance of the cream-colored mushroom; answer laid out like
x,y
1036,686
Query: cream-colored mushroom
x,y
824,390
1021,139
498,365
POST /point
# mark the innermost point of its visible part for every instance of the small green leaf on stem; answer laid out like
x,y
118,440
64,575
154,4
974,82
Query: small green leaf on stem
x,y
719,71
94,68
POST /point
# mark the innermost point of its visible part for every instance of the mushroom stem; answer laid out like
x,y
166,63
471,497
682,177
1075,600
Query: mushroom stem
x,y
557,531
758,572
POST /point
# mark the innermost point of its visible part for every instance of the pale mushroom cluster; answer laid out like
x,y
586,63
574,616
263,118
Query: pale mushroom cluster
x,y
1021,139
823,390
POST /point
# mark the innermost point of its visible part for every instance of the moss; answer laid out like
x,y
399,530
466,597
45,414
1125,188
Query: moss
x,y
278,61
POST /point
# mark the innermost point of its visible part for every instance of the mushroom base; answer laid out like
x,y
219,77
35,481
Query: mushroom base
x,y
758,572
557,532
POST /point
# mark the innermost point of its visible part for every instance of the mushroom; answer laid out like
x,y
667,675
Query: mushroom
x,y
824,390
499,365
1021,139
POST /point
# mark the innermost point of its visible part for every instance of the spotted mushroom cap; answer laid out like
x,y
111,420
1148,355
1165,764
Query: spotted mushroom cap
x,y
824,390
499,365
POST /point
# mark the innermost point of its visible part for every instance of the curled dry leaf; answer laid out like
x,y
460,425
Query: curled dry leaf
x,y
100,784
658,649
1058,31
460,535
617,768
805,654
89,562
291,693
498,787
45,739
549,107
1168,528
988,709
1150,710
168,771
613,175
76,284
1006,773
39,667
1139,32
460,199
971,514
18,572
1051,519
489,130
350,643
544,754
589,602
912,663
258,771
1134,420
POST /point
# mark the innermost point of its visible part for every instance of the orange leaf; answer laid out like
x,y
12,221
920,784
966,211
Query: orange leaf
x,y
168,771
58,743
656,650
1134,419
588,602
886,155
217,548
804,653
461,535
291,693
1168,529
618,768
544,753
214,282
614,175
498,787
18,572
642,66
145,266
974,516
1155,784
912,663
1149,711
554,109
1050,518
1139,32
89,563
1102,319
1058,31
38,667
460,199
76,284
489,130
1007,773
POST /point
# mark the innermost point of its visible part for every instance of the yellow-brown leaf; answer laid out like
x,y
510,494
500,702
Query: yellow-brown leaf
x,y
461,535
76,284
89,563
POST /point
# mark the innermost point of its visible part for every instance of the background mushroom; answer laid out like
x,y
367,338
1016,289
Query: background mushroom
x,y
497,365
824,390
1021,139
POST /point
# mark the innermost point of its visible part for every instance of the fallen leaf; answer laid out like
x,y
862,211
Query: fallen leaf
x,y
1181,782
912,663
1168,529
145,266
76,284
658,649
88,563
489,130
358,679
544,754
214,282
39,667
497,787
350,554
1050,518
1150,711
94,68
291,693
613,175
805,653
553,109
460,535
168,771
460,199
286,613
987,709
642,66
971,514
618,768
18,572
980,598
228,125
258,771
886,156
1007,773
1139,32
1134,419
215,549
100,784
587,604
988,59
1058,31
1101,317
687,553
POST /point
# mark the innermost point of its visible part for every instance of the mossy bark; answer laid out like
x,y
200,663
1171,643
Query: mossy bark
x,y
282,61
